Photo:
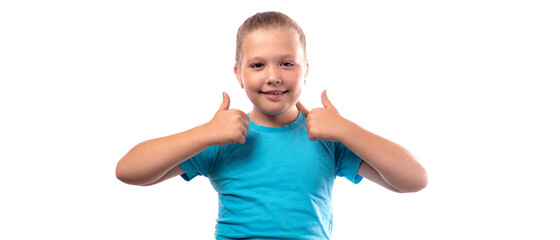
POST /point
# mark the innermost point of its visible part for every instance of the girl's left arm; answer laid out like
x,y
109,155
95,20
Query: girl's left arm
x,y
384,162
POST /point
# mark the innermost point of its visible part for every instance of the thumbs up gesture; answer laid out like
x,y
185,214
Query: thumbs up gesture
x,y
228,125
324,123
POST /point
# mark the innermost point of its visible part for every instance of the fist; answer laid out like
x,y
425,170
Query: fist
x,y
324,123
228,125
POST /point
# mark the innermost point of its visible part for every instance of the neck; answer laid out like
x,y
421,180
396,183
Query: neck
x,y
269,120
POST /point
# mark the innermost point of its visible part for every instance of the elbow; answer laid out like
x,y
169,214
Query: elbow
x,y
125,176
422,180
121,174
416,184
127,169
418,180
416,187
411,188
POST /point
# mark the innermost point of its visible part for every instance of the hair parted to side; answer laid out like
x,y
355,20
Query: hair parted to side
x,y
267,20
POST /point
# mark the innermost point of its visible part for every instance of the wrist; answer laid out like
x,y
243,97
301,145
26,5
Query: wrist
x,y
346,129
205,135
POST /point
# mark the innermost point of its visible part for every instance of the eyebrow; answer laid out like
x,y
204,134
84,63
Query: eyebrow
x,y
258,58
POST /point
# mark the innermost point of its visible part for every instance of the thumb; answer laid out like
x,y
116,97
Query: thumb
x,y
225,102
325,100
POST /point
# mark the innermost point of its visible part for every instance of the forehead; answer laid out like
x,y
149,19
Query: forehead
x,y
270,42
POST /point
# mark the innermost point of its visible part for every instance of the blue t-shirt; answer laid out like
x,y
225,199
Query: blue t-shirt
x,y
276,185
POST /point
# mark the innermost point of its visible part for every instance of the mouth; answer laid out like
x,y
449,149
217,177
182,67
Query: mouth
x,y
274,95
274,92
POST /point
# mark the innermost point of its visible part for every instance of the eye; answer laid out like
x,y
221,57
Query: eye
x,y
257,65
287,64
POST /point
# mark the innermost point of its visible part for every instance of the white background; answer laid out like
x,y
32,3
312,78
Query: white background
x,y
469,87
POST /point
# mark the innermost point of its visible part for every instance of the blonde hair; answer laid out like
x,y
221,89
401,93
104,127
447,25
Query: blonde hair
x,y
267,20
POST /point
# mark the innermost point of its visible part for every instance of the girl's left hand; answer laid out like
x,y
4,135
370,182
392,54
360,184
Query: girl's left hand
x,y
324,123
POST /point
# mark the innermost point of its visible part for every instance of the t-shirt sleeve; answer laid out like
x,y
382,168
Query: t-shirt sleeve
x,y
347,163
199,164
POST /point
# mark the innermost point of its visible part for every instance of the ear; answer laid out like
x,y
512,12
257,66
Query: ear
x,y
306,68
237,72
306,72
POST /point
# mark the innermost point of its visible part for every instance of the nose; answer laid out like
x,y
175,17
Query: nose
x,y
273,76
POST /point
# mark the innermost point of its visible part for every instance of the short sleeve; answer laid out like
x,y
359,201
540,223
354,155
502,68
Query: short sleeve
x,y
199,164
347,163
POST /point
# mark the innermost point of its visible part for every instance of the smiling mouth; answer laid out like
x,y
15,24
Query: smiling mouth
x,y
274,92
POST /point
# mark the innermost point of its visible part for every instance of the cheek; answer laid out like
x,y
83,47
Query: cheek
x,y
298,88
250,81
296,79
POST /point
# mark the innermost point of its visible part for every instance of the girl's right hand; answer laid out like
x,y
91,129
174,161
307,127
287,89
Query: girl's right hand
x,y
228,125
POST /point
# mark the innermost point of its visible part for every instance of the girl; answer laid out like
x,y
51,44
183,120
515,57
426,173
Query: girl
x,y
274,167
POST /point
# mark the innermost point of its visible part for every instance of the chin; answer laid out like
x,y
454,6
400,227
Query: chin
x,y
273,107
275,111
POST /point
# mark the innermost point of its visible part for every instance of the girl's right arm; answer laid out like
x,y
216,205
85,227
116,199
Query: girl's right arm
x,y
156,160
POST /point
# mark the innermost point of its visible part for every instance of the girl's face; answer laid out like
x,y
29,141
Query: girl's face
x,y
272,70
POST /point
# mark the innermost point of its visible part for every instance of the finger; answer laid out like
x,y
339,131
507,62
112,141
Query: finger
x,y
313,139
245,116
225,102
244,133
325,100
241,140
309,135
